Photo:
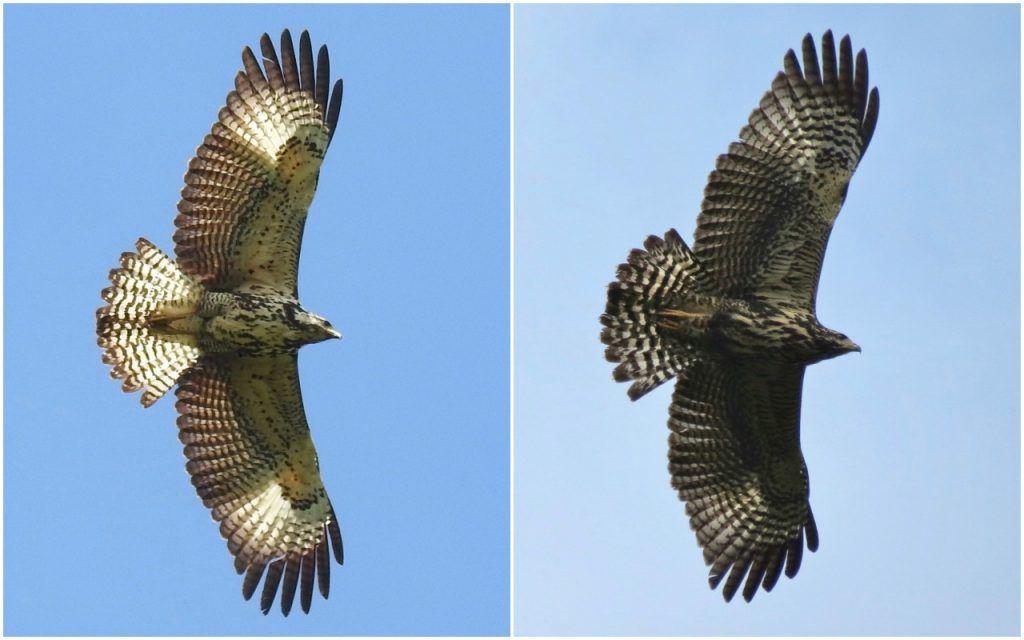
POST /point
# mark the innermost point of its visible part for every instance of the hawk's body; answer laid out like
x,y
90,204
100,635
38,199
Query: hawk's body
x,y
734,321
224,323
251,324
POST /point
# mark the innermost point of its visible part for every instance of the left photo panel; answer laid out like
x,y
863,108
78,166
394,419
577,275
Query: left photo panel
x,y
312,323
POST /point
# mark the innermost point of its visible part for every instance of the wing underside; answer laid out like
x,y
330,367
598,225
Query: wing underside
x,y
248,189
734,456
771,201
253,464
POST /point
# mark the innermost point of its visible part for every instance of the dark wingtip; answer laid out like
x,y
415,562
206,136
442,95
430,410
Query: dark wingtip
x,y
334,109
289,64
860,84
323,77
289,584
323,567
812,72
791,65
773,569
795,554
334,530
870,120
715,578
755,576
811,531
829,68
270,584
252,580
307,80
736,576
306,577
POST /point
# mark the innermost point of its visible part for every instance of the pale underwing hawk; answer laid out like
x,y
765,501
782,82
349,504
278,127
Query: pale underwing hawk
x,y
224,323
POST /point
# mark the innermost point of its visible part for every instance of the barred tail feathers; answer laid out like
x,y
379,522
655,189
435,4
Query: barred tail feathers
x,y
652,277
148,286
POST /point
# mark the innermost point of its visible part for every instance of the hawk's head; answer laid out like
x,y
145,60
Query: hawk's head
x,y
311,327
834,344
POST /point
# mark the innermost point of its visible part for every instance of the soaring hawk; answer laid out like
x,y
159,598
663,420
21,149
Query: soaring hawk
x,y
733,320
224,322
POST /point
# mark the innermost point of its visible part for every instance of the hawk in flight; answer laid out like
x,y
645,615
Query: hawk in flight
x,y
224,322
733,320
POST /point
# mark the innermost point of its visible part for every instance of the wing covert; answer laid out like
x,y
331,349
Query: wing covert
x,y
248,189
735,459
252,462
771,201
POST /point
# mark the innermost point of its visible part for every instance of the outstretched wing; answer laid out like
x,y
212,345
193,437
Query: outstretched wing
x,y
248,189
770,203
253,464
734,455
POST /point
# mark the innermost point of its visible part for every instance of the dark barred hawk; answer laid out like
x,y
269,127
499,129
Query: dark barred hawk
x,y
733,320
224,323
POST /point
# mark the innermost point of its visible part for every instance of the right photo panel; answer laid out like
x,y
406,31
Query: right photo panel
x,y
767,320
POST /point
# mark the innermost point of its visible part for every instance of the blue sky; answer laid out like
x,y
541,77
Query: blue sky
x,y
913,446
406,252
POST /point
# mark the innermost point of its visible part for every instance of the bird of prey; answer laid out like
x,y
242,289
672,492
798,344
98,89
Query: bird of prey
x,y
734,322
224,322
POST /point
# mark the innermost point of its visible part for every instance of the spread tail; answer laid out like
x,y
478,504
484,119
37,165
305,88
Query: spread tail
x,y
653,278
147,289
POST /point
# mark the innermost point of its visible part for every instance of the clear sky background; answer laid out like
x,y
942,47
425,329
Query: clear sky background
x,y
406,252
913,446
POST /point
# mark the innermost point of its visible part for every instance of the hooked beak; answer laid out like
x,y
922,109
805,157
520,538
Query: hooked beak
x,y
333,333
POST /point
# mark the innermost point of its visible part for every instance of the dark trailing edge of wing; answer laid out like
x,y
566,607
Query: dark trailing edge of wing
x,y
849,82
288,74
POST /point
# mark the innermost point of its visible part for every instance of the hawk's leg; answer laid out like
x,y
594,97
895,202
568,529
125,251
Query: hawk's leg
x,y
189,324
691,324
